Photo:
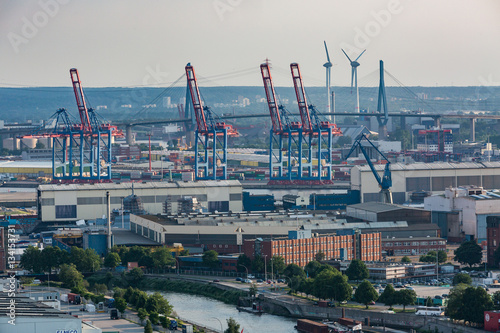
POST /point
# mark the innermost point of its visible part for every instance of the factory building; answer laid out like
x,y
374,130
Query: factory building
x,y
301,246
433,177
225,233
32,316
412,246
378,212
473,205
72,202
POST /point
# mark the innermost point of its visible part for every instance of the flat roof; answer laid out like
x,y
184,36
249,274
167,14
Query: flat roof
x,y
127,237
431,166
380,207
27,307
394,239
139,185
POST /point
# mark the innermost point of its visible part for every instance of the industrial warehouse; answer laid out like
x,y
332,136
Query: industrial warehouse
x,y
72,202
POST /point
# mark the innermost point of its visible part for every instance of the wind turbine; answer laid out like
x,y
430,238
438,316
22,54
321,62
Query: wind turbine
x,y
328,66
354,76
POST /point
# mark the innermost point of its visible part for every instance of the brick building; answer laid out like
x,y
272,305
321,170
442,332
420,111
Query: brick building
x,y
412,246
492,238
301,247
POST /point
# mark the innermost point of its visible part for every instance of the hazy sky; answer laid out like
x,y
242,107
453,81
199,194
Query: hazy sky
x,y
148,42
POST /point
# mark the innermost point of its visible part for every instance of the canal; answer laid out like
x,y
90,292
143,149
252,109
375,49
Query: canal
x,y
211,313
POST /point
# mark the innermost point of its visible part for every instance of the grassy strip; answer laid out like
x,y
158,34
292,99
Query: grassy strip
x,y
193,288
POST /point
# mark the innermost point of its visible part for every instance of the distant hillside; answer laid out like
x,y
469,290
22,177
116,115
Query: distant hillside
x,y
22,104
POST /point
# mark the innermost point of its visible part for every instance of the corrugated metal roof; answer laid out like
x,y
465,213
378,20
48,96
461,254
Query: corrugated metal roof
x,y
137,186
431,166
26,164
379,207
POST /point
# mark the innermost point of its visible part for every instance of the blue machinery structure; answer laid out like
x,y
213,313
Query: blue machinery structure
x,y
80,151
210,135
291,146
384,182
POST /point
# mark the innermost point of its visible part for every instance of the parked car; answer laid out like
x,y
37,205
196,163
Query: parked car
x,y
216,280
260,281
438,297
239,279
250,276
371,303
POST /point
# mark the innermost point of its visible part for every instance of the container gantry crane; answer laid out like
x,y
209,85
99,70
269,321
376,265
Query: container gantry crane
x,y
82,151
285,135
315,132
384,182
210,135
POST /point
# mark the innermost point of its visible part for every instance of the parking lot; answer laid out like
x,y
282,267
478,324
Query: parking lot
x,y
102,320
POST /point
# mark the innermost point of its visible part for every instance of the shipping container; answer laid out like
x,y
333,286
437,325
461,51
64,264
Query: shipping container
x,y
309,326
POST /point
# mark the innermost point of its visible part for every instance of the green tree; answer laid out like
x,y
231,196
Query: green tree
x,y
142,314
292,270
406,297
162,257
112,260
320,256
462,278
323,285
312,268
157,303
357,270
405,260
148,328
120,304
258,264
32,260
431,257
85,260
388,297
252,290
232,326
54,257
70,276
428,301
469,253
402,135
154,318
134,277
244,261
496,300
165,322
307,287
469,304
342,290
276,264
365,293
210,259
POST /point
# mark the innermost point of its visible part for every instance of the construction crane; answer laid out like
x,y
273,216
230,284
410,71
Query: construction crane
x,y
384,182
211,134
285,135
316,132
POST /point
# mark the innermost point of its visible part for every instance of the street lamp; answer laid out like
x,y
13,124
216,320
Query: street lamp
x,y
177,264
245,268
265,267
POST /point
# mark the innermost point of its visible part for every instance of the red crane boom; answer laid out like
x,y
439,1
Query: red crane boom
x,y
201,121
305,116
271,98
80,100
